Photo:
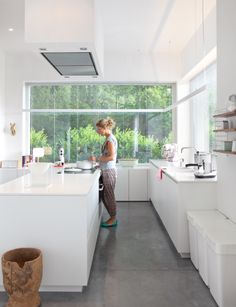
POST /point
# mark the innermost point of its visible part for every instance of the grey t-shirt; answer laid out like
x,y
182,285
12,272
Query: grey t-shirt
x,y
110,164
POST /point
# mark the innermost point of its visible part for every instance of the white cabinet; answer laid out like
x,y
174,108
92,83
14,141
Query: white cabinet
x,y
155,187
71,224
173,199
138,182
121,189
170,209
132,184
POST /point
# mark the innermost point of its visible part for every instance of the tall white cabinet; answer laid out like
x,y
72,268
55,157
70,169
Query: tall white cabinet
x,y
132,183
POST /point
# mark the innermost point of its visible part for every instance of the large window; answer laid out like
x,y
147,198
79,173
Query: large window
x,y
65,116
202,109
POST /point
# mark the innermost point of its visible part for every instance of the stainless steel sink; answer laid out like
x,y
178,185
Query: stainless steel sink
x,y
76,170
72,170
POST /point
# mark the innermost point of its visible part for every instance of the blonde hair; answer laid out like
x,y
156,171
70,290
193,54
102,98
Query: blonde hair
x,y
106,123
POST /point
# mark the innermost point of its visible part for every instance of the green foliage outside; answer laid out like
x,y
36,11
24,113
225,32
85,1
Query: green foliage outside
x,y
139,135
85,142
104,96
38,138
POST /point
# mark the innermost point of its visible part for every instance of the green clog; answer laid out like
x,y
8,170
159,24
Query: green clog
x,y
106,225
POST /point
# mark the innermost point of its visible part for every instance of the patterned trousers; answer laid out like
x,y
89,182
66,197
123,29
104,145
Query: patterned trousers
x,y
108,195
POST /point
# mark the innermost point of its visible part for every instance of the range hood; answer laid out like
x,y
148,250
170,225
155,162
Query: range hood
x,y
72,63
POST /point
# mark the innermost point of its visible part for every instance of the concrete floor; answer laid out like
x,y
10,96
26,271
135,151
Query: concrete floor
x,y
136,265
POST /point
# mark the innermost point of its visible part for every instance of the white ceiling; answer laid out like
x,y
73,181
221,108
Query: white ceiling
x,y
129,25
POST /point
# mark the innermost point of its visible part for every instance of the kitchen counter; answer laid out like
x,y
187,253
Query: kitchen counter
x,y
59,184
137,166
61,218
173,193
178,174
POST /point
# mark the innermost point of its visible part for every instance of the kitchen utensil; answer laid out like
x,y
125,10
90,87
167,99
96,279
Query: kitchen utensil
x,y
202,156
206,165
84,164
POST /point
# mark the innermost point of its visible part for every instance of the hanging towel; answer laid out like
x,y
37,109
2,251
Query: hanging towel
x,y
159,174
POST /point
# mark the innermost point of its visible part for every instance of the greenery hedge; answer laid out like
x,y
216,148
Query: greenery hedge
x,y
85,141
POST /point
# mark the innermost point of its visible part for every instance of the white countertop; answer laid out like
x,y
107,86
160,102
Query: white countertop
x,y
179,175
137,166
58,184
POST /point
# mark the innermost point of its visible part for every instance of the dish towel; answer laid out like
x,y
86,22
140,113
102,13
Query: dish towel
x,y
159,174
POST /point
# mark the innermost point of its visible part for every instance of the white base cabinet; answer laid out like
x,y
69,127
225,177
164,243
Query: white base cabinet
x,y
122,182
64,226
173,199
138,182
132,184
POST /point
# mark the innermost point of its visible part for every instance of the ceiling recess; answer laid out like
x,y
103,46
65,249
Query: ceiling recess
x,y
72,63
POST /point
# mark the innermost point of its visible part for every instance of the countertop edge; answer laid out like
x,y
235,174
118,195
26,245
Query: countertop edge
x,y
95,176
164,166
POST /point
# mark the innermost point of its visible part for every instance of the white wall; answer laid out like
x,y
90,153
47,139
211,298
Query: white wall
x,y
199,52
202,43
226,85
2,104
226,45
32,67
20,67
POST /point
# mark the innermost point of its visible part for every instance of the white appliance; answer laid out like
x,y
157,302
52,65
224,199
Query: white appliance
x,y
170,152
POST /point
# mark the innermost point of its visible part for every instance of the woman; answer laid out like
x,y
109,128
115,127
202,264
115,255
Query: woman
x,y
107,162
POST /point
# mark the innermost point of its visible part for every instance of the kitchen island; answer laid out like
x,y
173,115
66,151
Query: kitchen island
x,y
61,218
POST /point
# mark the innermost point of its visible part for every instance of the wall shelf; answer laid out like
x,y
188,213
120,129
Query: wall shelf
x,y
225,130
226,152
226,114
